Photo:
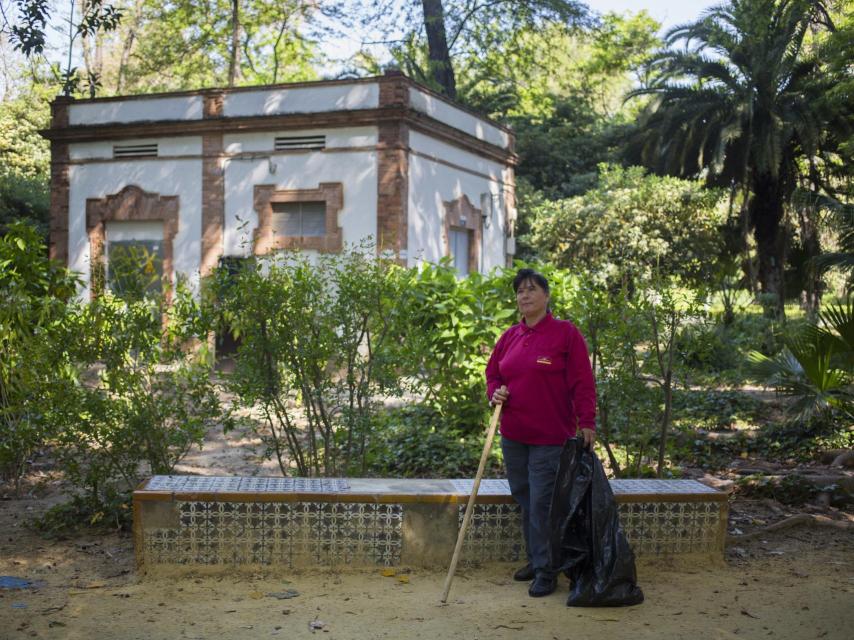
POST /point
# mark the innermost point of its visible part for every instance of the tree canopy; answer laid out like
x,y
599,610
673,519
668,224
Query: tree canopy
x,y
746,99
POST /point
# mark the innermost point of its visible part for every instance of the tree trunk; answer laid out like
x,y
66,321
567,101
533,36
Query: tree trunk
x,y
766,216
437,41
807,218
234,62
128,45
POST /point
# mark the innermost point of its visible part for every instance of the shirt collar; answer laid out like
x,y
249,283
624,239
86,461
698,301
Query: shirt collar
x,y
541,325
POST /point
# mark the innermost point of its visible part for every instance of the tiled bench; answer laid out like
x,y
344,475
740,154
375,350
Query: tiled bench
x,y
223,523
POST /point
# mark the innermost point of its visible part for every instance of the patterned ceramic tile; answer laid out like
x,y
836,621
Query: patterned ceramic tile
x,y
214,484
279,533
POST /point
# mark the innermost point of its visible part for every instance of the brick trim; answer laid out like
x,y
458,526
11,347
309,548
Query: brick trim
x,y
462,214
265,240
130,204
59,202
59,184
393,189
213,202
213,101
332,119
393,168
510,220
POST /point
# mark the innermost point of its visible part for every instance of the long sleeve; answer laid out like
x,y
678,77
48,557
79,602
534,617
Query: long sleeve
x,y
493,375
580,382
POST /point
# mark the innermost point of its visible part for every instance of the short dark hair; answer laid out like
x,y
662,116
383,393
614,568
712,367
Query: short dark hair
x,y
524,275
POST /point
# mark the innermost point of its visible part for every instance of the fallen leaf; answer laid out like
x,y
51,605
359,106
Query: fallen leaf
x,y
256,595
388,573
748,614
403,579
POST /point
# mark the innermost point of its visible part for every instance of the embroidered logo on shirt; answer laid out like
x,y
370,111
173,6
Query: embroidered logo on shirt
x,y
544,360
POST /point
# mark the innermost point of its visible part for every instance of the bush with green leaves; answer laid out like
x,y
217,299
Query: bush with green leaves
x,y
453,324
34,292
815,369
632,341
25,166
318,339
631,226
137,401
416,442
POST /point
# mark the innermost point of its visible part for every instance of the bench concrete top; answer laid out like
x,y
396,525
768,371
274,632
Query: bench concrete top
x,y
391,490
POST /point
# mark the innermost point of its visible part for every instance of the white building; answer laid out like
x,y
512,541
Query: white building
x,y
201,175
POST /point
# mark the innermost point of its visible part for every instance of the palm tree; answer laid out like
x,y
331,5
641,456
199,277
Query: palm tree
x,y
816,368
842,218
742,102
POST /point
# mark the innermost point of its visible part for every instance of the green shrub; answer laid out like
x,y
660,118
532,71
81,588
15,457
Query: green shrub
x,y
33,302
319,341
790,489
714,409
707,347
112,510
416,442
453,325
801,440
135,404
631,226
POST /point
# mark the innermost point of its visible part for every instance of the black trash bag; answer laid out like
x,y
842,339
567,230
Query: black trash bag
x,y
587,542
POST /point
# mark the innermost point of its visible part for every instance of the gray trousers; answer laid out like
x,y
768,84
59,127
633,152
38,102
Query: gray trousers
x,y
531,473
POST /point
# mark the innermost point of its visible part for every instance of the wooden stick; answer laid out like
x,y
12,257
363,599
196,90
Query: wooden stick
x,y
487,446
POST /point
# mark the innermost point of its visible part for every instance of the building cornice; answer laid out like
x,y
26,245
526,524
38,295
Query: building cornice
x,y
328,119
308,84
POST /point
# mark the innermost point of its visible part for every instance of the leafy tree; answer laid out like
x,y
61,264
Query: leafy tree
x,y
742,101
453,29
185,45
561,88
25,158
630,226
28,34
34,292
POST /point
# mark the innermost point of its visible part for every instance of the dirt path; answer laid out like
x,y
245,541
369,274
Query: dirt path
x,y
798,585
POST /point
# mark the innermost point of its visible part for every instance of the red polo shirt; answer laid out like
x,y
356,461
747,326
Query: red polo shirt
x,y
547,371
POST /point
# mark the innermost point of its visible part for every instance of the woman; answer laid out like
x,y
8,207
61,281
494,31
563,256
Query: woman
x,y
540,371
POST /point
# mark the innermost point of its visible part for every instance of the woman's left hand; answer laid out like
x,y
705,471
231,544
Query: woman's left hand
x,y
589,438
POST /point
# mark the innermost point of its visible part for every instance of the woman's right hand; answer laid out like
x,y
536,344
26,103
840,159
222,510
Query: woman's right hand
x,y
500,395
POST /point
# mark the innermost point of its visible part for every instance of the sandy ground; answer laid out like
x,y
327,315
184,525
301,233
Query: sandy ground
x,y
797,584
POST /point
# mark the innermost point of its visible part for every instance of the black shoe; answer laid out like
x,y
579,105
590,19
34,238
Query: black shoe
x,y
542,586
525,573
